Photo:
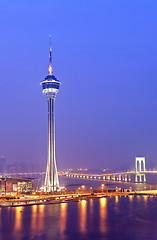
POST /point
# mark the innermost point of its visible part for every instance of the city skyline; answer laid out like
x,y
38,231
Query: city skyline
x,y
106,112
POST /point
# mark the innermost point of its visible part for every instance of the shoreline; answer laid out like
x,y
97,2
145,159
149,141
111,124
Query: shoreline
x,y
58,199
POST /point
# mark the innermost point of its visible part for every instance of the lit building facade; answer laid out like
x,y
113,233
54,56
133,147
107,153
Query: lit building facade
x,y
15,185
50,86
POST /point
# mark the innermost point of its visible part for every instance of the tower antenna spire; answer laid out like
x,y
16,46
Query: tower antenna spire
x,y
50,60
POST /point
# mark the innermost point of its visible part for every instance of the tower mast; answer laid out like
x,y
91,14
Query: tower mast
x,y
50,70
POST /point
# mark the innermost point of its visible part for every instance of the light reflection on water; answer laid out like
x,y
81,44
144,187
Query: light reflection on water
x,y
18,221
116,200
63,219
82,207
104,218
91,207
41,214
34,218
103,214
138,198
18,218
131,198
116,204
145,200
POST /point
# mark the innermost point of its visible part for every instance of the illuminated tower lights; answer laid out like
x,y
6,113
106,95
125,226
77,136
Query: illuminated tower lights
x,y
50,86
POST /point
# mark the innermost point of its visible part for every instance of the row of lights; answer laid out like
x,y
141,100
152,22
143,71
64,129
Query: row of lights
x,y
107,177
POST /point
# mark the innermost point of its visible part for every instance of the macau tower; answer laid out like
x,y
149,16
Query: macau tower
x,y
50,86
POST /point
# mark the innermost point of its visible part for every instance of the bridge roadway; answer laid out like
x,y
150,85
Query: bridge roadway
x,y
118,176
115,176
114,173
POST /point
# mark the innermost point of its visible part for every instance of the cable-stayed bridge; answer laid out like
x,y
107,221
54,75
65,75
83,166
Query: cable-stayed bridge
x,y
139,173
115,176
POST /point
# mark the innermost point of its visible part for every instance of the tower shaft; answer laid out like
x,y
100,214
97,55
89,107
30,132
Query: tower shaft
x,y
51,179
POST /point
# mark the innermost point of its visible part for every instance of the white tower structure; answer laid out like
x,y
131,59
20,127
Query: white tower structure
x,y
140,171
50,86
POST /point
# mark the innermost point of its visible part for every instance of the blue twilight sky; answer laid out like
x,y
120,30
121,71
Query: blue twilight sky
x,y
105,55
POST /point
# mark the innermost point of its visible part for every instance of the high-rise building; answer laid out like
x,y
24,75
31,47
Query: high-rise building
x,y
50,86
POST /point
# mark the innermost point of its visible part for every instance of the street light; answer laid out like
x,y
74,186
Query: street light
x,y
102,187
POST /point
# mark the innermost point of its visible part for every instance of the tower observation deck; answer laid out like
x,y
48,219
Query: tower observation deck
x,y
50,86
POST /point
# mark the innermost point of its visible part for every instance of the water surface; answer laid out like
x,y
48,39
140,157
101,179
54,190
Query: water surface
x,y
128,218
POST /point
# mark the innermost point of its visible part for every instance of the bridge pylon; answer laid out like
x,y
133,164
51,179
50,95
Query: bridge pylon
x,y
139,169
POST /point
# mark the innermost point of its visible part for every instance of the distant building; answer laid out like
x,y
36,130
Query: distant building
x,y
24,187
3,165
22,167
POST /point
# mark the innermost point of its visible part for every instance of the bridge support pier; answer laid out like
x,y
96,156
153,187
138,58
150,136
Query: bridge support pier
x,y
113,178
126,178
144,177
140,171
139,176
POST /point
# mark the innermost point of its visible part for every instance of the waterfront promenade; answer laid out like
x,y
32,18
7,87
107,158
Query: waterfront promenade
x,y
33,199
